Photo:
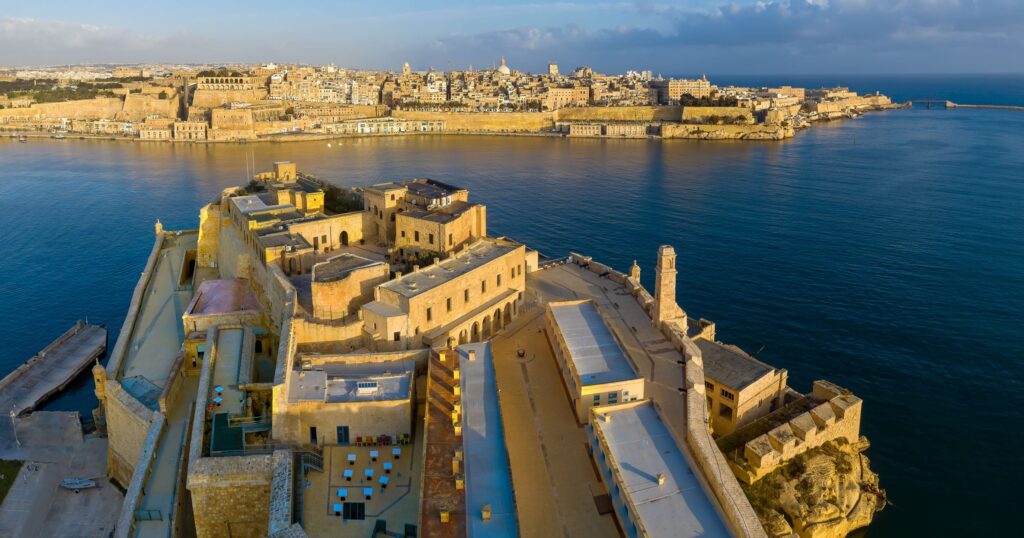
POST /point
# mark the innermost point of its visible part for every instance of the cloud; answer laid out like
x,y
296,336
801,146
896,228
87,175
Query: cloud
x,y
773,28
25,41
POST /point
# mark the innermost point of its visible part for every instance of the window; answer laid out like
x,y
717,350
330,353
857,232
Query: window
x,y
625,393
710,386
597,398
448,301
403,233
613,397
392,217
416,236
513,273
430,238
727,395
429,314
465,295
499,281
392,196
483,286
725,411
398,336
450,241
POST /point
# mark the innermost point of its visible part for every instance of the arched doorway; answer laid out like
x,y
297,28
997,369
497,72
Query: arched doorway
x,y
497,320
462,337
487,326
475,334
451,341
344,239
508,313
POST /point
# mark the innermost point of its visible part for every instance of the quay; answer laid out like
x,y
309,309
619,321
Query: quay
x,y
948,105
52,368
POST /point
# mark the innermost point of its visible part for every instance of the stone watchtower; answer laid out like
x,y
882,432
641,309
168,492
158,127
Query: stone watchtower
x,y
665,306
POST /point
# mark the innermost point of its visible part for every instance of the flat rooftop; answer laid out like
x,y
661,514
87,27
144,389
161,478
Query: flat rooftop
x,y
594,352
340,266
344,383
444,214
476,255
641,448
730,365
222,296
488,475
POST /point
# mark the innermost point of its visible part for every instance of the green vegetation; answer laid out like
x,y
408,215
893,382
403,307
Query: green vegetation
x,y
423,259
763,495
338,200
57,95
8,473
162,94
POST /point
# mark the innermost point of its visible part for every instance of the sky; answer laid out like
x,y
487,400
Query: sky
x,y
671,37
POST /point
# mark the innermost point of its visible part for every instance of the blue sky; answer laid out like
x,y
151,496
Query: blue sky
x,y
697,36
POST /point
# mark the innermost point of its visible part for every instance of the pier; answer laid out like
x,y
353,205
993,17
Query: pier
x,y
946,104
53,368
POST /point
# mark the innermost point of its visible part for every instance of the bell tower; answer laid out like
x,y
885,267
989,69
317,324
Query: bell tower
x,y
665,306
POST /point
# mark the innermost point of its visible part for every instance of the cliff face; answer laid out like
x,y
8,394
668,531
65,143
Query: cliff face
x,y
825,493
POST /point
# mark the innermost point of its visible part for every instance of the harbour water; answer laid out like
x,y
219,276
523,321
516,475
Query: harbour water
x,y
885,254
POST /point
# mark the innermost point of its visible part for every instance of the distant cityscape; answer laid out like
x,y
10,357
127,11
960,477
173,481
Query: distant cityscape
x,y
198,103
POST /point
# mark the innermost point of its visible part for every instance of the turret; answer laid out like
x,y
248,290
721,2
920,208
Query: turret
x,y
665,306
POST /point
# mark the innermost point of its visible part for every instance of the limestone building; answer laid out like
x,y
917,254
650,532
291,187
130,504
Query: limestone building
x,y
595,369
739,387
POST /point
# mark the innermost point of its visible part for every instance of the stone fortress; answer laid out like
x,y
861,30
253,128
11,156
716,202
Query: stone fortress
x,y
391,369
271,101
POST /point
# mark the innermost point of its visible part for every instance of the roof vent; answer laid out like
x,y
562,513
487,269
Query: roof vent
x,y
661,479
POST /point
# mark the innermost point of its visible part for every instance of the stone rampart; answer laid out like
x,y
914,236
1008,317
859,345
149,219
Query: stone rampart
x,y
123,337
82,109
484,121
620,113
133,493
836,417
139,106
692,114
128,420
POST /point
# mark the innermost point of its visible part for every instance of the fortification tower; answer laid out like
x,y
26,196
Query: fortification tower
x,y
665,306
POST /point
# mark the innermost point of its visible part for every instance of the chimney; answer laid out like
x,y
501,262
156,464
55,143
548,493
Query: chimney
x,y
661,479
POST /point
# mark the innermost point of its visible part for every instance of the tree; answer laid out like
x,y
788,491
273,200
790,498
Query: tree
x,y
163,94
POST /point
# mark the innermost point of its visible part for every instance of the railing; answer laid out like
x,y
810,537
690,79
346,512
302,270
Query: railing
x,y
312,460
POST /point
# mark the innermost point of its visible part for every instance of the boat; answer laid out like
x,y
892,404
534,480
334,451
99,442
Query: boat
x,y
77,484
22,139
58,136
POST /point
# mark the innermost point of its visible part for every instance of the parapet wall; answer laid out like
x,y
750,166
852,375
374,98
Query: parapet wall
x,y
123,337
133,493
836,417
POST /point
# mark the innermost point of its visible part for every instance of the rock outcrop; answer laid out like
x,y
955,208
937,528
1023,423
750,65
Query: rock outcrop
x,y
827,492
